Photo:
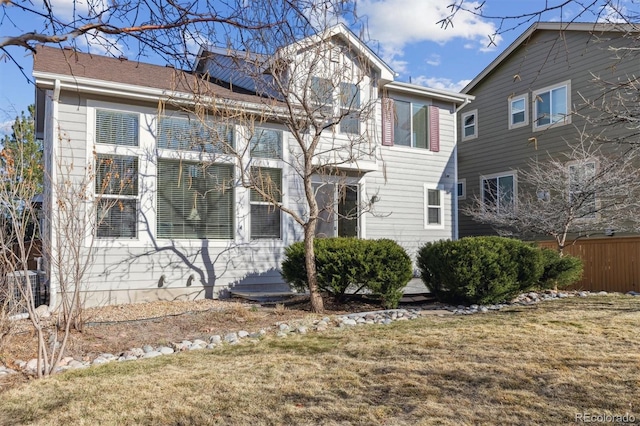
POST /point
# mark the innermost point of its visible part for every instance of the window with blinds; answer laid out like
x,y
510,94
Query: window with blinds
x,y
116,190
195,200
191,134
117,128
266,143
265,215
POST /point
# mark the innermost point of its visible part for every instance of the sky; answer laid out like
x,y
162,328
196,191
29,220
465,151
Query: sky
x,y
406,34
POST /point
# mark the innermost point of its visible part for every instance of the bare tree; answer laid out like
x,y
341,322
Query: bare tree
x,y
319,88
581,193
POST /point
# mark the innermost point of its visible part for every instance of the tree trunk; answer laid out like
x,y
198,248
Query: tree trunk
x,y
317,304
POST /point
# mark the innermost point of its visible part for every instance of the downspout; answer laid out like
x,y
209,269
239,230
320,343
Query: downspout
x,y
53,284
466,102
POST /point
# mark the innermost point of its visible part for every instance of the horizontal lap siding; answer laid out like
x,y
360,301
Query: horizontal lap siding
x,y
399,213
609,264
546,60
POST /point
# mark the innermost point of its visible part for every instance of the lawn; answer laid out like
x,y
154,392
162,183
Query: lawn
x,y
541,364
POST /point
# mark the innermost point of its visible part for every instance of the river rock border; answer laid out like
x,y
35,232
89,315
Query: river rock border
x,y
283,329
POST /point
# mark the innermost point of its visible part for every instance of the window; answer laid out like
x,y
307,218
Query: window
x,y
321,91
339,209
265,216
518,114
349,108
581,189
551,106
433,207
117,128
470,125
411,125
191,134
462,189
266,143
498,192
195,200
117,194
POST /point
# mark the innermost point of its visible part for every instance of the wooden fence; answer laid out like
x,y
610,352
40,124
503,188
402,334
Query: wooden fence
x,y
610,264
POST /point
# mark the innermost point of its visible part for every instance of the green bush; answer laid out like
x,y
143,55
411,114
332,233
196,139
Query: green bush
x,y
479,270
559,271
379,266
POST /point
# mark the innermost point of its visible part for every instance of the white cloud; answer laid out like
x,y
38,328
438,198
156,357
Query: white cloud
x,y
396,23
440,83
5,128
433,60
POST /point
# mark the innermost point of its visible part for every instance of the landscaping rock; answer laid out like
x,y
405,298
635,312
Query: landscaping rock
x,y
215,339
152,354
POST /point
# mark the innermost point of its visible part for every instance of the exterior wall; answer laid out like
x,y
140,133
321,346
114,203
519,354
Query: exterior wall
x,y
546,59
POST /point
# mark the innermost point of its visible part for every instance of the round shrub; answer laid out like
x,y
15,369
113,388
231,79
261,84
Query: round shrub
x,y
480,270
382,267
559,271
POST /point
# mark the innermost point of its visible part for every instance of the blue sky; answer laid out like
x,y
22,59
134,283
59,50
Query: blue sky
x,y
405,33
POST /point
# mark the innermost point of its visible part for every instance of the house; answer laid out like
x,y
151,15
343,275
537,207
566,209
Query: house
x,y
530,102
162,158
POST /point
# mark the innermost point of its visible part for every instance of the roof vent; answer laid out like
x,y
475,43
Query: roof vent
x,y
169,66
122,58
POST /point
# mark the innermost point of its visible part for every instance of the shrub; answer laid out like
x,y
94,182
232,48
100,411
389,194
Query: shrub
x,y
479,270
559,271
379,266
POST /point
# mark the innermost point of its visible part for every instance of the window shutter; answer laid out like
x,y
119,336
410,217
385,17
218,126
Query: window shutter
x,y
387,121
434,125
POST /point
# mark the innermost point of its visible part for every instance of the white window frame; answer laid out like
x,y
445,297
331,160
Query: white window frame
x,y
462,183
463,118
270,205
94,149
412,147
427,206
321,180
511,173
534,105
525,99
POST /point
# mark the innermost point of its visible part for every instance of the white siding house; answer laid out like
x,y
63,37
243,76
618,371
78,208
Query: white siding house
x,y
172,218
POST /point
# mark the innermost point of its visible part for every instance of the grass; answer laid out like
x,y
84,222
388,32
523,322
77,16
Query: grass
x,y
527,365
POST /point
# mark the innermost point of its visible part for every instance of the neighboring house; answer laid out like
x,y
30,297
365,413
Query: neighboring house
x,y
173,219
529,103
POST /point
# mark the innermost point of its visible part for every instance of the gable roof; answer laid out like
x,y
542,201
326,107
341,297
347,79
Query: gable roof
x,y
587,27
106,75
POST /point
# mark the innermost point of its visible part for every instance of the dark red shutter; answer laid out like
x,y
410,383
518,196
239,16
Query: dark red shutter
x,y
387,121
434,128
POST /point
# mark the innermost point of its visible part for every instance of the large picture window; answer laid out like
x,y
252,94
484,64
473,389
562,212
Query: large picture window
x,y
499,192
551,106
192,134
117,127
265,215
116,188
195,200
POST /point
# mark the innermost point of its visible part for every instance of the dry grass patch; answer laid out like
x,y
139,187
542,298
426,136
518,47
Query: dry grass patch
x,y
534,365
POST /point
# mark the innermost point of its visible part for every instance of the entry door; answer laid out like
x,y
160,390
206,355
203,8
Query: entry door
x,y
339,208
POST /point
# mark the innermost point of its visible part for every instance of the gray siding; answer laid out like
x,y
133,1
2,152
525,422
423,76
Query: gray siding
x,y
546,59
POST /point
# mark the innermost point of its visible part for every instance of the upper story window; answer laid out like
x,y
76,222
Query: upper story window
x,y
462,189
499,192
349,108
117,127
518,111
193,134
470,125
410,124
321,91
116,189
266,143
551,106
